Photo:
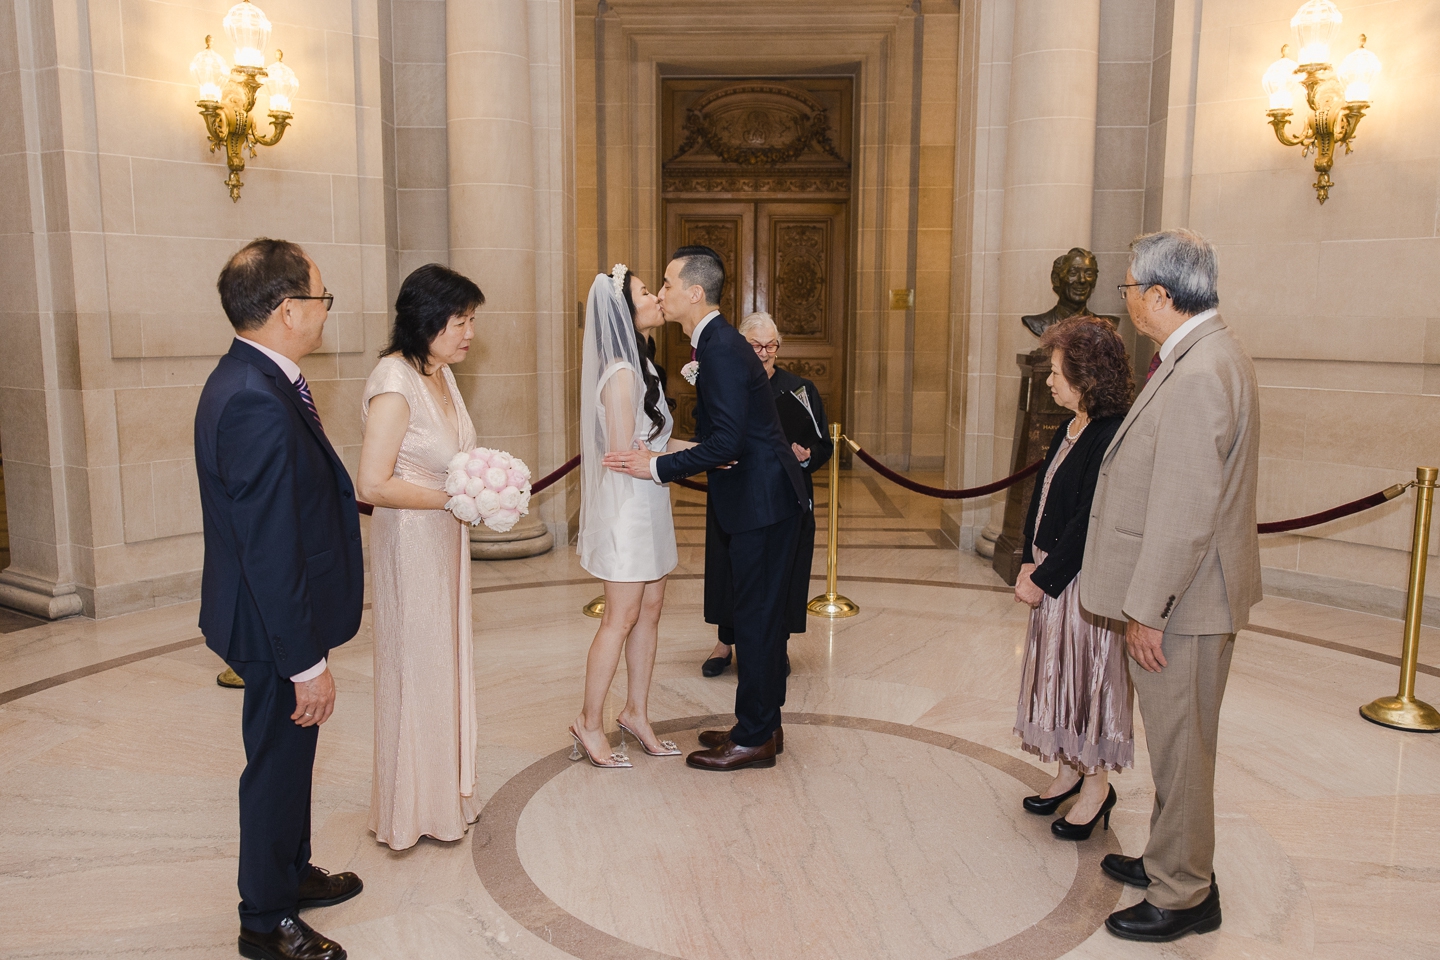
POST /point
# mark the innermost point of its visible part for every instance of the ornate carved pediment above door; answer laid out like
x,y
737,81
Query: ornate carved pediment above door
x,y
757,137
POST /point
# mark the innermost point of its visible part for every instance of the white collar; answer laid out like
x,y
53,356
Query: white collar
x,y
695,334
287,366
1183,331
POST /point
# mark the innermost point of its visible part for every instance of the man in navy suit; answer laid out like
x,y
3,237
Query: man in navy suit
x,y
758,500
283,582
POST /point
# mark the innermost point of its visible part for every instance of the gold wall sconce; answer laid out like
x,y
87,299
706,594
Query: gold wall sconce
x,y
227,94
1337,99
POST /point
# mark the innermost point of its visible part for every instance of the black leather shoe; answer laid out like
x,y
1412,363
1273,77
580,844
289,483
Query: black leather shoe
x,y
716,665
1045,806
293,939
1153,924
731,756
714,738
1066,830
1129,870
321,889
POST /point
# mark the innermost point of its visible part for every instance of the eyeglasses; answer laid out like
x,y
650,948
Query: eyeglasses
x,y
327,296
763,348
1122,286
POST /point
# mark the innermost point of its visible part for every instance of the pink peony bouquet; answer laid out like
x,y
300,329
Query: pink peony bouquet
x,y
488,486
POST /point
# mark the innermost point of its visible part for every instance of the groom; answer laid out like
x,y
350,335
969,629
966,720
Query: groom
x,y
758,501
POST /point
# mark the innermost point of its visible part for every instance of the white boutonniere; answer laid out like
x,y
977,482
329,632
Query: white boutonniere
x,y
691,372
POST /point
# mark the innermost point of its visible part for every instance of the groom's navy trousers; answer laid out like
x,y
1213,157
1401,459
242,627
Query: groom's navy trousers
x,y
283,583
757,502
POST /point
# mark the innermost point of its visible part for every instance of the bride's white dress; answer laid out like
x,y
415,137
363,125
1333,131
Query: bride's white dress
x,y
632,535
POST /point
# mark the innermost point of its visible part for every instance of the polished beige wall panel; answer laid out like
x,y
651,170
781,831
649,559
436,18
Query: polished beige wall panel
x,y
1323,297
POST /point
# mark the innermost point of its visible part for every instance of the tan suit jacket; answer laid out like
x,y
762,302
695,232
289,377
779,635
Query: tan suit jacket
x,y
1172,540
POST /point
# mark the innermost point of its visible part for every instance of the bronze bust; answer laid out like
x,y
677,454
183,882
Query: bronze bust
x,y
1073,279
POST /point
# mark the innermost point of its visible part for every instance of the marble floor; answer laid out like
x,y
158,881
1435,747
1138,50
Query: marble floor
x,y
891,827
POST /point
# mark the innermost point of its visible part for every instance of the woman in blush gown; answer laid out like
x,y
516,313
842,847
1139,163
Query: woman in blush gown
x,y
414,423
627,536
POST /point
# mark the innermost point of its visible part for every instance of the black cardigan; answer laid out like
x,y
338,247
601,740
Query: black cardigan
x,y
1067,509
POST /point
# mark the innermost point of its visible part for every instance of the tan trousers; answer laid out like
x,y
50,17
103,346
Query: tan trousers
x,y
1181,709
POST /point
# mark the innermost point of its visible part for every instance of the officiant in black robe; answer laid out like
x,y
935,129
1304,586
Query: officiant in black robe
x,y
802,416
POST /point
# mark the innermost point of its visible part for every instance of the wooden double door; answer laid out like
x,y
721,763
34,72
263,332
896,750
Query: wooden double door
x,y
786,258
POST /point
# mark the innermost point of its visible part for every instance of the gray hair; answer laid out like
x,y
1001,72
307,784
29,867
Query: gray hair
x,y
757,319
1181,261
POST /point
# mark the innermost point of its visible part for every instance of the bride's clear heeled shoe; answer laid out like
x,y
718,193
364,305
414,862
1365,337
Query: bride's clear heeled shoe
x,y
581,752
667,747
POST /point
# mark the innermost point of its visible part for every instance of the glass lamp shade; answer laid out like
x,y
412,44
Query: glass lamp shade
x,y
249,29
1315,24
281,84
210,72
1357,72
1280,84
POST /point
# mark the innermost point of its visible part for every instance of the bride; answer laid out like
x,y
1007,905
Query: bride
x,y
627,537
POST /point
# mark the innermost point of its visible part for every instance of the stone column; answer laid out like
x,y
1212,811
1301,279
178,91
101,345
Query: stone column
x,y
492,86
1049,184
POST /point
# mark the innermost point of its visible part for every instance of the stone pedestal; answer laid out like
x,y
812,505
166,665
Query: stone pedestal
x,y
528,538
1037,417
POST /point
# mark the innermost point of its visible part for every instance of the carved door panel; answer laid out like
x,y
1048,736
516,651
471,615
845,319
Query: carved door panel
x,y
729,230
800,251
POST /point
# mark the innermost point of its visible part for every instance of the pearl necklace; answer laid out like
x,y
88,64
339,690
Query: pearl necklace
x,y
1072,437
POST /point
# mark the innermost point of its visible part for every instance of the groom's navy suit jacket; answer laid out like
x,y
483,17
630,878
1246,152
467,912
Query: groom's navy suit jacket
x,y
284,576
735,419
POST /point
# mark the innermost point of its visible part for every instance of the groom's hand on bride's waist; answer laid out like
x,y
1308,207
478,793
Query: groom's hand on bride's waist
x,y
634,462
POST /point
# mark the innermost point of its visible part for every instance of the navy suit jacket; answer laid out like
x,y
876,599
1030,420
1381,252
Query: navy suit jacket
x,y
735,419
282,532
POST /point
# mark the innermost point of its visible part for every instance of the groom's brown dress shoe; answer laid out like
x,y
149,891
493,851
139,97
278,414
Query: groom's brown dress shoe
x,y
321,889
293,939
714,738
731,756
1153,924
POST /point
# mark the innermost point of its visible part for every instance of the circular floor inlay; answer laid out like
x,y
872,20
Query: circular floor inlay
x,y
869,839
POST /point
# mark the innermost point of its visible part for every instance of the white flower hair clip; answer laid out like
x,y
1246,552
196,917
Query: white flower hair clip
x,y
617,279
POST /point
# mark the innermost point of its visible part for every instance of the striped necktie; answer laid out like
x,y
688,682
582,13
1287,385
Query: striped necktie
x,y
304,389
1154,365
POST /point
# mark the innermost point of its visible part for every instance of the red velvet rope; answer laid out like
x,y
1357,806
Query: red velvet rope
x,y
940,492
1278,526
1335,513
550,478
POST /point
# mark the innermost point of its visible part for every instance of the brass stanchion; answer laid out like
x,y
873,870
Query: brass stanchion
x,y
830,604
1403,711
595,608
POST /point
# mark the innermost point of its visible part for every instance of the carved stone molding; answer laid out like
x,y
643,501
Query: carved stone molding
x,y
795,182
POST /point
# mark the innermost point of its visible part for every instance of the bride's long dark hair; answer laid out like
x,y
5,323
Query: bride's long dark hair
x,y
652,382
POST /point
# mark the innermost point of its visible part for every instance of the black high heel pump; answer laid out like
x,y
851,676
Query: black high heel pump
x,y
1066,830
1044,806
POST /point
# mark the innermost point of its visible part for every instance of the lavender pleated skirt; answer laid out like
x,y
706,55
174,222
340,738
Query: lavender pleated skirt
x,y
1075,693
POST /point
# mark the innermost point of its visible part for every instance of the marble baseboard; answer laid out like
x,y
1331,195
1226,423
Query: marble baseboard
x,y
1346,594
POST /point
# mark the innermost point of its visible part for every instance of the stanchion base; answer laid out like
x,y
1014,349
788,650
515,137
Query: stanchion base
x,y
595,608
832,606
1403,713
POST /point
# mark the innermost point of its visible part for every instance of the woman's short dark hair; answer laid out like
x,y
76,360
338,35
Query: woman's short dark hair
x,y
429,298
258,279
1094,360
647,350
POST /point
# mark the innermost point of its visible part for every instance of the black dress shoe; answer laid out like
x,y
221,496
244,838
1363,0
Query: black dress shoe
x,y
716,665
714,738
1153,924
731,756
1129,870
1045,806
293,939
1066,830
321,889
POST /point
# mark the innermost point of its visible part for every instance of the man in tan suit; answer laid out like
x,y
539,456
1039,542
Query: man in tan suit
x,y
1172,550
